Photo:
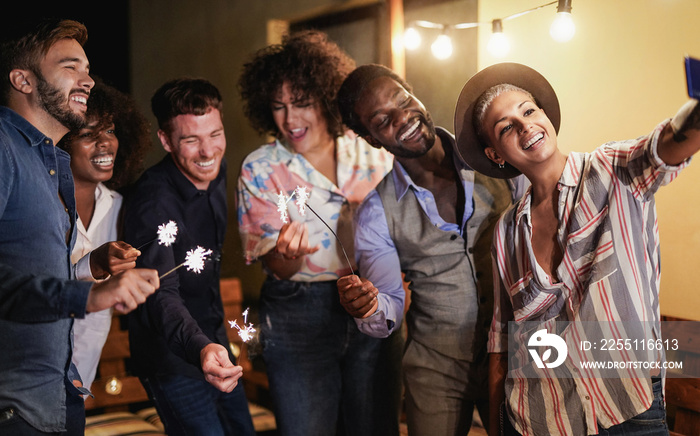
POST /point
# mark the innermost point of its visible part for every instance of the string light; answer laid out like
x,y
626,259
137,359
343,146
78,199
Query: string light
x,y
498,45
411,38
442,47
563,27
562,30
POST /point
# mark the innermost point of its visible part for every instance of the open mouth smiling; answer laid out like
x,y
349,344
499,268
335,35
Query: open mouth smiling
x,y
79,98
206,164
532,141
410,130
297,133
103,161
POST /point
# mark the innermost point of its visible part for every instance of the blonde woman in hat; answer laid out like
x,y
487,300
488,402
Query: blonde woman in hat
x,y
581,245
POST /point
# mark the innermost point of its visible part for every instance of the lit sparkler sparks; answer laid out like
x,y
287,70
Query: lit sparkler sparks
x,y
282,206
245,332
166,234
282,200
302,198
194,260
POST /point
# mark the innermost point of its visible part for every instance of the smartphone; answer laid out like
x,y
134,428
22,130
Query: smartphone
x,y
692,76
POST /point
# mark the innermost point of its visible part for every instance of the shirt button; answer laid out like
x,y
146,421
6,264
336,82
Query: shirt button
x,y
52,172
587,397
453,237
47,141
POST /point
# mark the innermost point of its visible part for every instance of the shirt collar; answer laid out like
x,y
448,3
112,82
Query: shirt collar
x,y
183,185
572,170
402,181
33,135
570,177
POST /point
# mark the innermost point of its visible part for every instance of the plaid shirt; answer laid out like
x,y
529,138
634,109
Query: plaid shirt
x,y
609,272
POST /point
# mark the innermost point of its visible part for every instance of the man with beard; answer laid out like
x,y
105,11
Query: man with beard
x,y
44,90
432,218
178,341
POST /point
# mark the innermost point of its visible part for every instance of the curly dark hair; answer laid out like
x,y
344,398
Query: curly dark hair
x,y
109,105
352,88
314,67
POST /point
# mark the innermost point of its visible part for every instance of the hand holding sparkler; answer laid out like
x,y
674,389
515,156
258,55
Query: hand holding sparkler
x,y
112,258
293,241
123,291
358,296
218,369
302,198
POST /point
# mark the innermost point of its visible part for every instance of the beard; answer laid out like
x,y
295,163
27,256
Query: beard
x,y
56,104
427,121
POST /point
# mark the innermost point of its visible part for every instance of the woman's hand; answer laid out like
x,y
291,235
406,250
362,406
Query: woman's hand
x,y
293,241
286,258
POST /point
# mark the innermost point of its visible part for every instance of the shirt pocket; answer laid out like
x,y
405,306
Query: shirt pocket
x,y
591,250
532,302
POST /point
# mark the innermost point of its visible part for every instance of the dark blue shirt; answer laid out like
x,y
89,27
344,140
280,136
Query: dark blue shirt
x,y
37,301
168,332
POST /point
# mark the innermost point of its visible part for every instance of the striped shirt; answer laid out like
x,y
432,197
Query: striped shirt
x,y
609,272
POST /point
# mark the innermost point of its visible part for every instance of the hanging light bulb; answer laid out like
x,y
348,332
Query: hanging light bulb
x,y
411,38
442,47
498,45
563,27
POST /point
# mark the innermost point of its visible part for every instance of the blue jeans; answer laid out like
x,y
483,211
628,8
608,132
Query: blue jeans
x,y
322,370
649,423
13,424
188,406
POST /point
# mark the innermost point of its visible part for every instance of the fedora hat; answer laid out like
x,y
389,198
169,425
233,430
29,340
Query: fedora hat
x,y
468,143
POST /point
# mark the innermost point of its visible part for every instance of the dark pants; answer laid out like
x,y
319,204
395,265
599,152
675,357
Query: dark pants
x,y
12,424
189,406
323,371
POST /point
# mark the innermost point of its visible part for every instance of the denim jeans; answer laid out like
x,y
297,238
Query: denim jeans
x,y
189,406
649,423
322,370
13,424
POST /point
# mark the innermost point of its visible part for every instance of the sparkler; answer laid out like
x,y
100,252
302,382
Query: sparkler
x,y
245,332
302,197
194,260
166,234
282,206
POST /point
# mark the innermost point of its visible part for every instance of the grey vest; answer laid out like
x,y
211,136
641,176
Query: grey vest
x,y
450,275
